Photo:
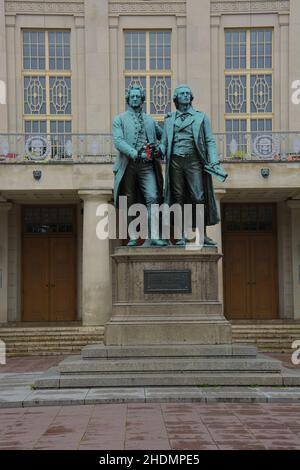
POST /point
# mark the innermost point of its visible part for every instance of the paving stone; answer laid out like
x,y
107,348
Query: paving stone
x,y
180,426
243,350
24,396
13,396
47,382
283,396
56,397
48,379
14,379
174,394
291,377
115,395
278,389
234,394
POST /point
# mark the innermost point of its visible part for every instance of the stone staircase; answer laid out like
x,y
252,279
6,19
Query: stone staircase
x,y
57,339
168,365
272,336
48,340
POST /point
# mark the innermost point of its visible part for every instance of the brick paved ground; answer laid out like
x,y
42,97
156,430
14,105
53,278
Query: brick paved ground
x,y
152,426
30,363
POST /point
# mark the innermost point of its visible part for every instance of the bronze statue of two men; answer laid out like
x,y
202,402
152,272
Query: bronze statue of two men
x,y
188,146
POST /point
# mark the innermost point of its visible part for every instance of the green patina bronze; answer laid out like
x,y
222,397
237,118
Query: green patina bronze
x,y
191,158
136,176
187,144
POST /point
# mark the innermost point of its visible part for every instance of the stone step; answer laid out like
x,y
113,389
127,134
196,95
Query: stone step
x,y
43,346
56,352
268,342
271,346
19,339
278,329
265,331
44,352
267,335
55,349
160,380
260,326
168,365
52,340
261,346
50,331
278,345
102,351
273,336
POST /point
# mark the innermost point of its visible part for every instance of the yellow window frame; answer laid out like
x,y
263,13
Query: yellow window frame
x,y
47,73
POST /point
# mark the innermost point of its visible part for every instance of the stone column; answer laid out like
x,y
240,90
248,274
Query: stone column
x,y
4,208
12,109
215,74
285,261
215,232
96,274
181,50
295,210
3,76
284,72
114,66
198,52
294,61
97,66
80,72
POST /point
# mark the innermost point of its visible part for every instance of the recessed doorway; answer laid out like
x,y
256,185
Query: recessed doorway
x,y
250,261
48,263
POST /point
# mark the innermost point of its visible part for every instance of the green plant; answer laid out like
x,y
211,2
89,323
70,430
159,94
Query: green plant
x,y
238,155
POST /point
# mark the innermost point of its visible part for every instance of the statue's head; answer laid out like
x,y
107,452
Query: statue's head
x,y
135,96
182,95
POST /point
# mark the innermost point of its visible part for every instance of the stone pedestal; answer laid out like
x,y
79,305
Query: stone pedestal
x,y
167,330
166,296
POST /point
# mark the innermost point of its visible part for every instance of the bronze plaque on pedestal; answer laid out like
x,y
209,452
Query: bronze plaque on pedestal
x,y
167,281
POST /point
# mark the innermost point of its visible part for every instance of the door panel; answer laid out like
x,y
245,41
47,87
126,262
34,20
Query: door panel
x,y
236,276
250,261
62,279
35,279
263,283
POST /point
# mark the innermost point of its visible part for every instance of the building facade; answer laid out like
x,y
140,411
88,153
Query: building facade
x,y
65,66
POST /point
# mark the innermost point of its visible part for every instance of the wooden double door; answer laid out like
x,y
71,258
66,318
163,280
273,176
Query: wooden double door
x,y
49,277
250,263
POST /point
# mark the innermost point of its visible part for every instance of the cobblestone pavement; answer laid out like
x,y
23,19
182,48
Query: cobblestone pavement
x,y
157,426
